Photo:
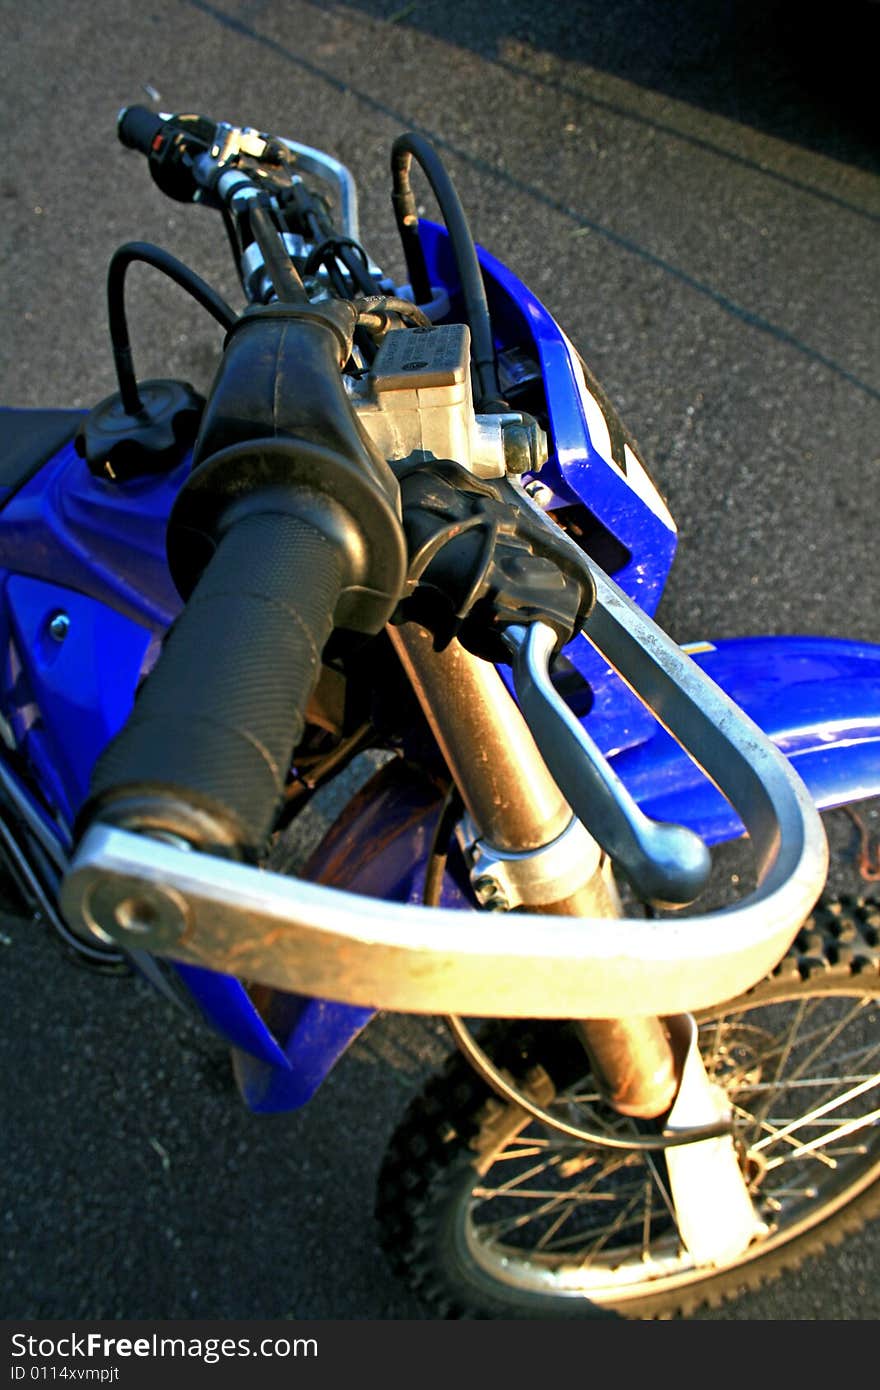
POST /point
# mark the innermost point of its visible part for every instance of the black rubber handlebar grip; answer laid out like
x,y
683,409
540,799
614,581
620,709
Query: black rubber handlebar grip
x,y
137,127
215,723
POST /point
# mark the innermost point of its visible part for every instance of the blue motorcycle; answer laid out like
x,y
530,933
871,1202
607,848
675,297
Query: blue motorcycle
x,y
403,561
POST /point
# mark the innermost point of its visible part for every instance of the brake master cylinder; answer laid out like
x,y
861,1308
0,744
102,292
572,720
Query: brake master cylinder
x,y
417,401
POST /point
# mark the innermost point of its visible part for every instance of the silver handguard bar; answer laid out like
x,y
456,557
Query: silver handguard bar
x,y
327,942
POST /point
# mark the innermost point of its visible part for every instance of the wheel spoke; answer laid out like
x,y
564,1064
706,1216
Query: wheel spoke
x,y
509,1154
841,1132
662,1188
830,1105
544,1240
774,1133
550,1201
646,1220
829,1037
780,1049
584,1191
805,1082
510,1188
785,1049
539,1194
625,1218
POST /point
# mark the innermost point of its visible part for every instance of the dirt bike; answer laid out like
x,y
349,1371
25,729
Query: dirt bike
x,y
406,552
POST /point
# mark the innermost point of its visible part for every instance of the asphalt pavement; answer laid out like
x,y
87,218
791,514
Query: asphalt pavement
x,y
694,191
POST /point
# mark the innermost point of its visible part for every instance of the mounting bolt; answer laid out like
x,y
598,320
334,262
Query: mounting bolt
x,y
136,914
59,626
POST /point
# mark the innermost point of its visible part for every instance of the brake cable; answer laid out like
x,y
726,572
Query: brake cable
x,y
450,812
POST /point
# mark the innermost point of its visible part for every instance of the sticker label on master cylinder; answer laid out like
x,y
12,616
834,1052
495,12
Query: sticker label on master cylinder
x,y
410,358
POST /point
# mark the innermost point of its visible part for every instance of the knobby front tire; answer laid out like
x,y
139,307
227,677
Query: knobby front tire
x,y
488,1214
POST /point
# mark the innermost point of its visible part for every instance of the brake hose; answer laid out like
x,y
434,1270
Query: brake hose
x,y
406,148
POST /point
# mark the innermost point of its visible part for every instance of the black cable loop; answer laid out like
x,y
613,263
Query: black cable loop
x,y
331,246
181,274
481,569
451,810
338,248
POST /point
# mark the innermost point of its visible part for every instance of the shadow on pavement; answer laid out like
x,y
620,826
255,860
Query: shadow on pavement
x,y
803,75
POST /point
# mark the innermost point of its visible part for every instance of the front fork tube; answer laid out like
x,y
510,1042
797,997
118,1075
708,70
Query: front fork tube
x,y
648,1068
515,805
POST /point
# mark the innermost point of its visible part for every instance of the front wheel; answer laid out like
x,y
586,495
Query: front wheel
x,y
487,1213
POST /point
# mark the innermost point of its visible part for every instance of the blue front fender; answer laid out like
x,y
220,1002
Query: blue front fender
x,y
818,698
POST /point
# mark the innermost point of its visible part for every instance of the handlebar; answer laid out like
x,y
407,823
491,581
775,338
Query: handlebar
x,y
173,144
301,515
298,511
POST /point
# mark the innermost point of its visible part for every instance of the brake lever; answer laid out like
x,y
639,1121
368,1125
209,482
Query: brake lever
x,y
668,865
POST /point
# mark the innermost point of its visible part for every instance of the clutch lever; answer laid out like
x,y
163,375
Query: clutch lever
x,y
668,865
